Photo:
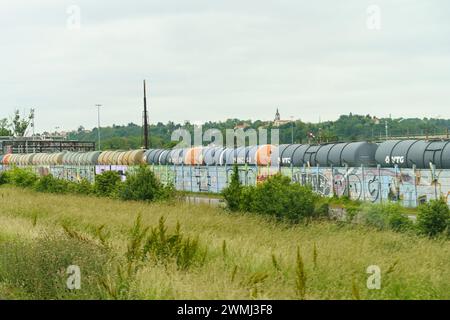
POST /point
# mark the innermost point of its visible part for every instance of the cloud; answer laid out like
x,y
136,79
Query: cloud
x,y
210,60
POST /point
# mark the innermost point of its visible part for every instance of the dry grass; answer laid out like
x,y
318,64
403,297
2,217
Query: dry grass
x,y
247,256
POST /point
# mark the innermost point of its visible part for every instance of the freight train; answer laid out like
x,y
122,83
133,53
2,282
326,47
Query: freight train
x,y
419,154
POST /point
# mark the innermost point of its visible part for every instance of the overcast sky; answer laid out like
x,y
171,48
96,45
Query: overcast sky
x,y
217,59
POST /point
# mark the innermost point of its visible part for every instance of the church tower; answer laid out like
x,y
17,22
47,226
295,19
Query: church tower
x,y
277,116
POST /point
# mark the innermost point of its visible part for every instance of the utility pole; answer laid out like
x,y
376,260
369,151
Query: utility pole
x,y
32,122
146,140
386,128
98,127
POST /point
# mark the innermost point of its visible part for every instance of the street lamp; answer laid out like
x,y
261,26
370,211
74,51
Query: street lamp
x,y
98,127
386,128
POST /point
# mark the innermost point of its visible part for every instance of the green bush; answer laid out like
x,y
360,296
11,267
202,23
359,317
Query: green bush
x,y
84,187
3,178
322,208
23,178
433,218
247,198
50,184
398,221
384,216
232,193
163,247
169,192
107,184
142,185
277,196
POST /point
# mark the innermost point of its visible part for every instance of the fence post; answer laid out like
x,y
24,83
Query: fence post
x,y
318,179
174,174
217,179
292,172
226,175
416,197
246,174
363,178
182,176
190,173
434,176
397,183
347,180
380,186
208,178
332,181
304,175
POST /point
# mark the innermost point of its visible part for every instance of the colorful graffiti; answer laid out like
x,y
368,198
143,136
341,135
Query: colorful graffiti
x,y
408,186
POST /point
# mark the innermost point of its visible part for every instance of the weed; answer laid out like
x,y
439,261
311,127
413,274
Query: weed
x,y
300,280
254,283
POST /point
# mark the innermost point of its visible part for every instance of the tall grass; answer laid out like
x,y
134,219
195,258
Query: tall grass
x,y
37,270
198,252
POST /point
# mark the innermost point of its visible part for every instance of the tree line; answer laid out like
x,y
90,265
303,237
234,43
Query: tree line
x,y
349,127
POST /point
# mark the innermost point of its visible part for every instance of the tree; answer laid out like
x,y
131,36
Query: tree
x,y
433,218
232,193
4,128
20,124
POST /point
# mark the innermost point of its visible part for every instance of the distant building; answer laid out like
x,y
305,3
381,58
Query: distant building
x,y
278,122
43,145
242,126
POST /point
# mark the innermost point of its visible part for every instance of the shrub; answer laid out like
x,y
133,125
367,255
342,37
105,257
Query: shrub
x,y
107,184
398,221
277,196
3,178
143,185
433,218
23,178
83,187
271,196
50,184
384,216
163,247
247,198
321,208
169,192
232,193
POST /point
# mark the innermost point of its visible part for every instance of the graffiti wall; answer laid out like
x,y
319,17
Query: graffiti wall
x,y
203,178
71,173
408,186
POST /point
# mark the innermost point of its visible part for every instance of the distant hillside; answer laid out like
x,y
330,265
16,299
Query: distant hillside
x,y
347,128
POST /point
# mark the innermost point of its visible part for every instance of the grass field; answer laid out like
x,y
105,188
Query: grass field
x,y
237,256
